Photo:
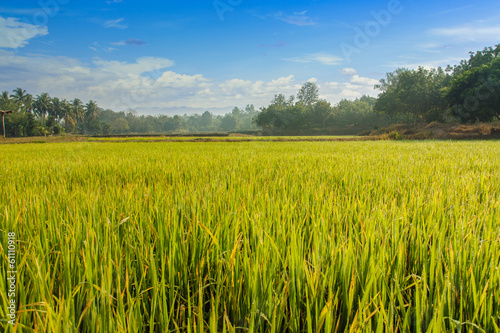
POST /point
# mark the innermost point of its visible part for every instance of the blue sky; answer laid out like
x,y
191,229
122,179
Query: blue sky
x,y
190,56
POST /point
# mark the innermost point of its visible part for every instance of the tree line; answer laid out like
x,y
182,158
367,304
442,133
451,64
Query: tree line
x,y
46,115
468,92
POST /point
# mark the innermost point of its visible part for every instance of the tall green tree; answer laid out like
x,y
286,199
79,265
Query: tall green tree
x,y
23,99
474,95
229,123
92,111
416,94
477,59
308,94
206,121
43,106
78,111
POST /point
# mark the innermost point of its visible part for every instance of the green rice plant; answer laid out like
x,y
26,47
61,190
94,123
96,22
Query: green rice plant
x,y
383,236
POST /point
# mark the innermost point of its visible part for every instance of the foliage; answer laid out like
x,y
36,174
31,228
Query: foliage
x,y
416,94
474,95
308,94
51,115
283,114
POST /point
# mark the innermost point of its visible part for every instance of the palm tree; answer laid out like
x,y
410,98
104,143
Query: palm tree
x,y
78,111
57,109
92,111
28,103
18,94
68,115
4,98
43,105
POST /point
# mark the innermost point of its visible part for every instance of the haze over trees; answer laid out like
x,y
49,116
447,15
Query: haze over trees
x,y
468,93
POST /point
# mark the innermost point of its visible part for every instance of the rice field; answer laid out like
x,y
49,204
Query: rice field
x,y
379,236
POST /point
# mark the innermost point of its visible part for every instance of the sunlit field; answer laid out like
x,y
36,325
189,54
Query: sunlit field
x,y
380,236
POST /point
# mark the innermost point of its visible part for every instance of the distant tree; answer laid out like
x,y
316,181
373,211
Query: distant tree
x,y
228,123
22,98
206,120
308,94
67,114
321,112
105,128
8,107
28,103
58,109
92,111
178,123
91,122
474,95
477,59
418,94
50,123
78,110
120,125
33,127
43,105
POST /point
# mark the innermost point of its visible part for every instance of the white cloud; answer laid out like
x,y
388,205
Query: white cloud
x,y
115,24
356,79
174,80
469,32
355,88
15,34
348,71
321,57
128,85
142,65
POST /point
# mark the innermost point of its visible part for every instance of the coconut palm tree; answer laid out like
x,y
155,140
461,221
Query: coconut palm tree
x,y
92,111
19,95
57,110
28,103
68,115
43,105
78,110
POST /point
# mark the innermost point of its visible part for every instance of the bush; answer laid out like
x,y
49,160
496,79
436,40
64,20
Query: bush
x,y
394,135
56,129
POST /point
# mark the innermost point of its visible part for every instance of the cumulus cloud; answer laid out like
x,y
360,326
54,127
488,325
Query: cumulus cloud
x,y
15,34
321,58
355,88
365,81
120,85
142,65
348,71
